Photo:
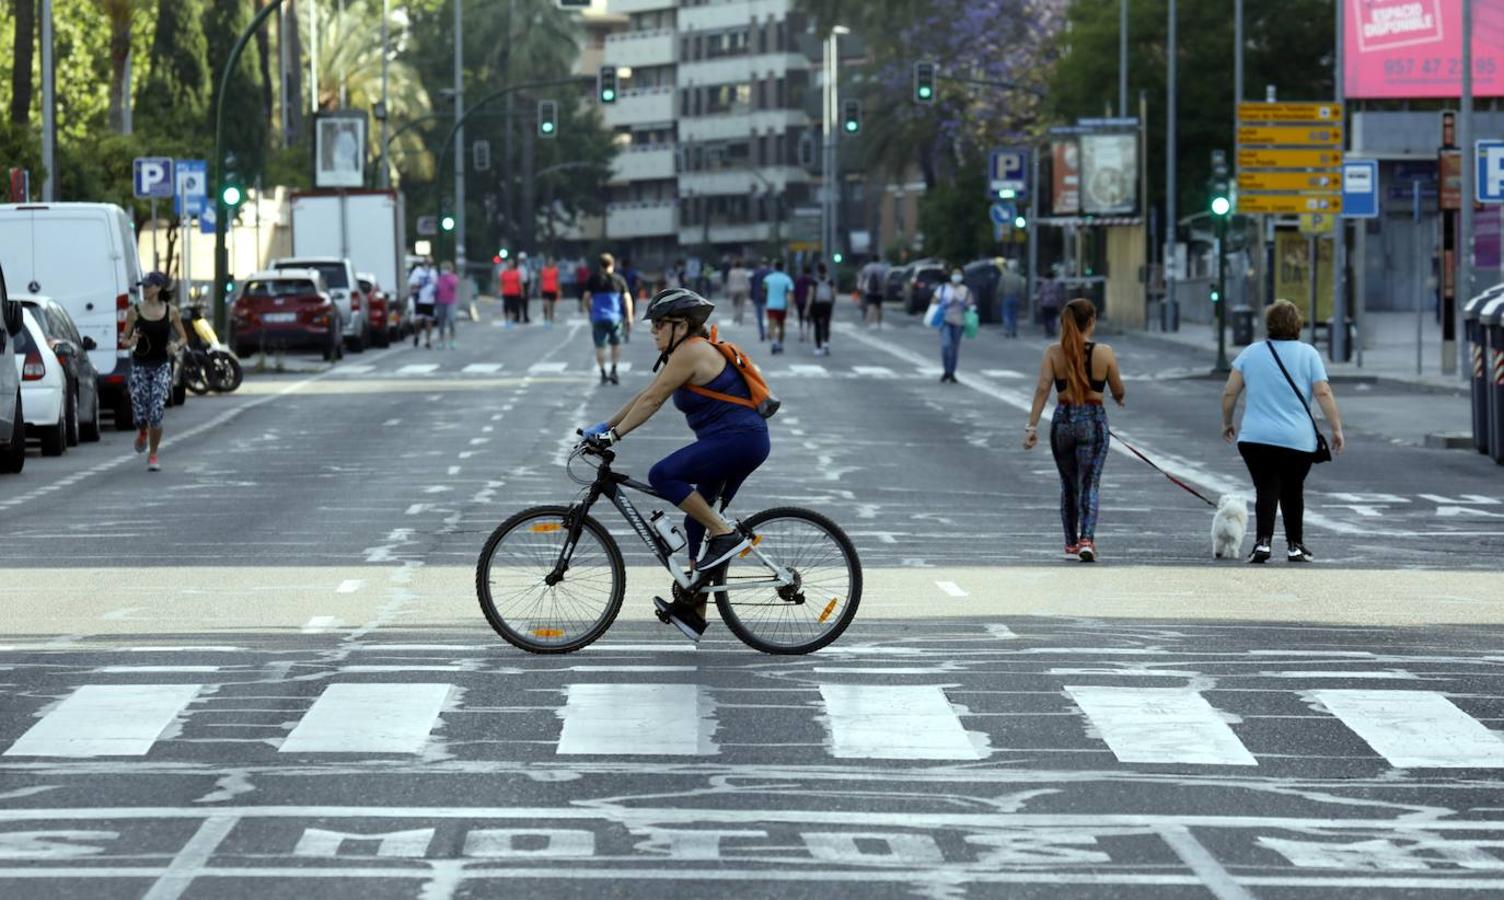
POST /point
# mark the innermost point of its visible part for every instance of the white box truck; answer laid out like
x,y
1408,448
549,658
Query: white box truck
x,y
365,227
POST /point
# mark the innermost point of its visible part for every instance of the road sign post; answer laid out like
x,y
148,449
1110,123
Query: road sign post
x,y
1289,158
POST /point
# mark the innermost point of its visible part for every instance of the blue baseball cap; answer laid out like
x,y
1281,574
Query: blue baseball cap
x,y
155,279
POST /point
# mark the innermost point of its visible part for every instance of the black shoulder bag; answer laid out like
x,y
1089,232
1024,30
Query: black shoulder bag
x,y
1323,451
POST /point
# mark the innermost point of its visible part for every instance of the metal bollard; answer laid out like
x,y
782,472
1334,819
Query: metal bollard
x,y
1491,320
1475,332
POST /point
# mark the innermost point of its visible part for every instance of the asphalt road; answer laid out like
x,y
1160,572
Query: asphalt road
x,y
261,672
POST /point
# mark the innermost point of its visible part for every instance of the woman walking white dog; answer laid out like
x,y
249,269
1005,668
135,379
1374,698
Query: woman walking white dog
x,y
1278,437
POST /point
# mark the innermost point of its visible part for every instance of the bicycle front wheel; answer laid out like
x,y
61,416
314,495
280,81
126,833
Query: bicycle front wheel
x,y
811,612
516,568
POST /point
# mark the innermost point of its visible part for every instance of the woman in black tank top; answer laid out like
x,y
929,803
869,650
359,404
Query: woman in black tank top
x,y
154,332
1078,426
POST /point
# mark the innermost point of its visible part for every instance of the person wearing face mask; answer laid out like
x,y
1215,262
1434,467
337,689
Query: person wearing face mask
x,y
955,300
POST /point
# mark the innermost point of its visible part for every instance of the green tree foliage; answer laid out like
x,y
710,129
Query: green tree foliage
x,y
177,86
245,124
953,216
1289,45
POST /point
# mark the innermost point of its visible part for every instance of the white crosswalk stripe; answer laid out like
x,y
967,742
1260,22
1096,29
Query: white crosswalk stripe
x,y
353,369
369,718
1003,373
874,371
106,720
482,368
1416,729
1157,726
808,370
547,368
418,369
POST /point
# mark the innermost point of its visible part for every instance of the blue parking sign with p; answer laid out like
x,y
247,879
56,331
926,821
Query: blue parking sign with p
x,y
1008,169
1490,172
153,177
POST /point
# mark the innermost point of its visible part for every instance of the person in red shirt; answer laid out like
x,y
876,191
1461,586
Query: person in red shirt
x,y
582,278
511,293
548,286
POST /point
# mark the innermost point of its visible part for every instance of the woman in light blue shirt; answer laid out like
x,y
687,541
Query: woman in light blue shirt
x,y
1277,438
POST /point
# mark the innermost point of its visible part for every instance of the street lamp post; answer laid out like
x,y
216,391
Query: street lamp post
x,y
832,104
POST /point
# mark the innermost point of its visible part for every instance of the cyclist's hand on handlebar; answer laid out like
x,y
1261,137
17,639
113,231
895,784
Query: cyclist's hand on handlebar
x,y
599,440
594,430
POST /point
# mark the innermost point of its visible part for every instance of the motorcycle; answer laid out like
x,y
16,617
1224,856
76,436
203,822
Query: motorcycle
x,y
207,363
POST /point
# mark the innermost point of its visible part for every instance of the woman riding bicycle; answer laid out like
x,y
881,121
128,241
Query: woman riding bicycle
x,y
731,440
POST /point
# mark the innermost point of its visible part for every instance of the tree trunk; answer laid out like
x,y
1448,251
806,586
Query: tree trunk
x,y
120,51
264,57
293,89
21,84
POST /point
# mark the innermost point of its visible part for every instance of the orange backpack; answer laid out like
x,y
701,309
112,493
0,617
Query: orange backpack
x,y
762,398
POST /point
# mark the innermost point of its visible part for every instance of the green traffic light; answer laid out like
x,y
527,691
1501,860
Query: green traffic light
x,y
1020,222
447,223
608,95
851,126
546,128
231,195
926,92
1221,206
838,258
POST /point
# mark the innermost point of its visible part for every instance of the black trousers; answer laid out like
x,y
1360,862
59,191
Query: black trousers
x,y
1279,480
819,313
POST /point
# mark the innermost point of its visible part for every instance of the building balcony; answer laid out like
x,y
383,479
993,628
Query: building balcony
x,y
727,233
740,125
739,69
736,182
624,7
641,48
644,219
642,107
719,14
586,228
647,163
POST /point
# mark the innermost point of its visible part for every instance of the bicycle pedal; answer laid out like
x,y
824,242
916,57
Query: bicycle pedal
x,y
661,609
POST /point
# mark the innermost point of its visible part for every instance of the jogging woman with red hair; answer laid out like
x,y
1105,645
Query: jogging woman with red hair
x,y
1081,372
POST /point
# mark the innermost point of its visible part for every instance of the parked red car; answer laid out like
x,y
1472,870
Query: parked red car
x,y
379,311
285,309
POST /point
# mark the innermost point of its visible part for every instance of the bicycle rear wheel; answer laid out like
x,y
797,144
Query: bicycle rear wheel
x,y
511,580
819,605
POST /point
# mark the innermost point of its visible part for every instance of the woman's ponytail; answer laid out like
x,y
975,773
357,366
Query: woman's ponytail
x,y
1074,320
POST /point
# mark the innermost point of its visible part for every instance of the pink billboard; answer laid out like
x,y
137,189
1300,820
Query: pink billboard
x,y
1413,48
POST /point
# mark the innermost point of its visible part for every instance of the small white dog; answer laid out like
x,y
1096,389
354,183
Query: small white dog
x,y
1228,527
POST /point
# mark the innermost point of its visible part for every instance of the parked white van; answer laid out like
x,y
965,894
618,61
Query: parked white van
x,y
83,255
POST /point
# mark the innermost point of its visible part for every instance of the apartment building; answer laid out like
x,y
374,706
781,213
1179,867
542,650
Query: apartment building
x,y
717,96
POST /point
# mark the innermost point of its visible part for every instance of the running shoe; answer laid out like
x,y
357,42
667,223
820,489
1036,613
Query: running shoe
x,y
1088,552
1298,554
718,553
141,441
605,379
1072,551
1261,553
614,378
684,618
152,465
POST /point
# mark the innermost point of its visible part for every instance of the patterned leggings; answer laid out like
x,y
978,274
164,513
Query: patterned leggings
x,y
1078,438
149,386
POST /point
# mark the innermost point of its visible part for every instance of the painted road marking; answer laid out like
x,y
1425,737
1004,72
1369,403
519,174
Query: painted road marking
x,y
418,369
390,422
1161,725
1003,373
106,720
353,369
320,625
951,588
482,369
874,371
894,722
369,718
637,720
1416,729
155,670
808,370
547,368
349,586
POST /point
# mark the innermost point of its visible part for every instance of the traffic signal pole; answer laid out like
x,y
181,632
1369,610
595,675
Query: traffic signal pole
x,y
1222,367
221,211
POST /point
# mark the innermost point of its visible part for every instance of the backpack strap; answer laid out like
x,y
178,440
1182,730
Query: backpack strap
x,y
717,395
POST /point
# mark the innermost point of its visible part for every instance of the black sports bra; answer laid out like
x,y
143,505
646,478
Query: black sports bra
x,y
1097,385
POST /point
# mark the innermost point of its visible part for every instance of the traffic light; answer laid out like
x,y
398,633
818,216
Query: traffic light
x,y
838,257
1020,221
447,223
807,150
548,118
924,82
851,116
1221,206
1218,187
605,84
231,193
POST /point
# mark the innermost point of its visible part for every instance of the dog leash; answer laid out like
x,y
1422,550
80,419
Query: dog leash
x,y
1181,484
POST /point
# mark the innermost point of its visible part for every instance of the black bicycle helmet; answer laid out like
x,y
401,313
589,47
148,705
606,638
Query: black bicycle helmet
x,y
679,303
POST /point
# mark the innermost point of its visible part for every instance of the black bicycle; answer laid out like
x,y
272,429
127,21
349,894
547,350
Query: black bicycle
x,y
551,578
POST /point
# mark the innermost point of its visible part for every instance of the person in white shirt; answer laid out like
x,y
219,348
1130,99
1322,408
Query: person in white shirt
x,y
421,285
739,286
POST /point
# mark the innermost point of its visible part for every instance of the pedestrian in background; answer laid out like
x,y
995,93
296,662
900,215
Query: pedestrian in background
x,y
871,278
548,287
822,305
511,293
422,283
1080,371
526,271
582,283
1013,287
739,287
1051,296
630,276
955,300
777,287
802,286
1279,439
610,315
446,295
758,274
149,332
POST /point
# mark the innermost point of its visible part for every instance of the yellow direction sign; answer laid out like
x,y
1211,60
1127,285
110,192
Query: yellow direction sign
x,y
1317,223
1291,135
1321,182
1289,204
1290,112
1252,158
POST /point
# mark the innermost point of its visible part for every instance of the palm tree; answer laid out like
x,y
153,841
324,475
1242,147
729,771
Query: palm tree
x,y
349,72
121,14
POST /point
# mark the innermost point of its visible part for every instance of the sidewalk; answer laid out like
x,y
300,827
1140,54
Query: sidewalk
x,y
1388,350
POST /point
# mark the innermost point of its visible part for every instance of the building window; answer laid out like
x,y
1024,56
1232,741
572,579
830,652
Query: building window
x,y
762,38
782,37
782,93
762,94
